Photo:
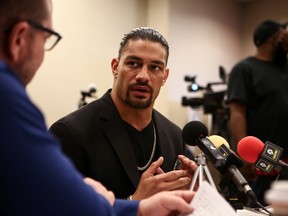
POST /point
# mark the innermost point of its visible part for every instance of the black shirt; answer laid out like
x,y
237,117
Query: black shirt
x,y
263,88
142,143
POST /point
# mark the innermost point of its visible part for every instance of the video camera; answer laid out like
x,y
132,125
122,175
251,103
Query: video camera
x,y
211,101
90,93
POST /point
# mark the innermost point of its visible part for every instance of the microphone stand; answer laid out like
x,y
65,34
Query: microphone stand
x,y
201,170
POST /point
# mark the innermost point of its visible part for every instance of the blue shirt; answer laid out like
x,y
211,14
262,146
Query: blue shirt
x,y
36,178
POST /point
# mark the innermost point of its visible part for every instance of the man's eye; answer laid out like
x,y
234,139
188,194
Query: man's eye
x,y
155,67
133,64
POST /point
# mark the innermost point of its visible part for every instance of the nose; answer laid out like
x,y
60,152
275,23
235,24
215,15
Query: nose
x,y
143,74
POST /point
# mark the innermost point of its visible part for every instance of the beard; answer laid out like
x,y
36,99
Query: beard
x,y
138,103
280,57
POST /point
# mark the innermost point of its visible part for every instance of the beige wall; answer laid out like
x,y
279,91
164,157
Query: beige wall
x,y
91,30
203,34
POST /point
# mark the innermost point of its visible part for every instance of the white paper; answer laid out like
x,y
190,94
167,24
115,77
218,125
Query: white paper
x,y
243,212
208,202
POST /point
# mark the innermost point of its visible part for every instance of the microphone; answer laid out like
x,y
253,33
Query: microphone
x,y
195,134
228,153
266,156
231,166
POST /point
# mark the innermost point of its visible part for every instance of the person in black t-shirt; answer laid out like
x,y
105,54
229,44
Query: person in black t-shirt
x,y
258,97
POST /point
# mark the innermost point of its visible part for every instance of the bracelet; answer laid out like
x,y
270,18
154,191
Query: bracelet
x,y
130,197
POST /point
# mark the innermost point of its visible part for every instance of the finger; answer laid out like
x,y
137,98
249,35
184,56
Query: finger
x,y
172,180
179,184
187,163
180,202
154,168
159,171
185,194
171,175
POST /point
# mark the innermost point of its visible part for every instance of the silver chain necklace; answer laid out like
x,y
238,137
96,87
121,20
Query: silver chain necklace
x,y
153,151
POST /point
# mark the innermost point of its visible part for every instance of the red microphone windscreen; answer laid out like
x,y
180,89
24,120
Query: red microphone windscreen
x,y
249,148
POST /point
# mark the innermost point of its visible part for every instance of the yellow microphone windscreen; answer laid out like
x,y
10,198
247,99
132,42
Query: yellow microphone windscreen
x,y
218,141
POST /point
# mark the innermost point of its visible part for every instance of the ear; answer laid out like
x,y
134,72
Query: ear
x,y
17,40
114,66
165,76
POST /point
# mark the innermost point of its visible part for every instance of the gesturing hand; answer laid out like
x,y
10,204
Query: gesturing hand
x,y
154,180
190,167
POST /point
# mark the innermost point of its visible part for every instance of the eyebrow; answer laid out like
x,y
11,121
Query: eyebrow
x,y
136,58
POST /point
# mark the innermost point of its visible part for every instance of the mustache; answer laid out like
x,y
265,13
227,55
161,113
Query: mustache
x,y
140,85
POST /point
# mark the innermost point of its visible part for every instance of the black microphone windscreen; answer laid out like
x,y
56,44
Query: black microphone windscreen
x,y
192,131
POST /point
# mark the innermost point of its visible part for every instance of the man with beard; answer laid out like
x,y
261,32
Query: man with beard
x,y
258,97
36,178
115,139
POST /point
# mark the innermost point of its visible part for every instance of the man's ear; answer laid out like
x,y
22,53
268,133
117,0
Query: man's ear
x,y
165,76
114,66
17,40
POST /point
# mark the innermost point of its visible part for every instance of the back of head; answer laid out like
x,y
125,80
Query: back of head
x,y
265,30
144,33
13,11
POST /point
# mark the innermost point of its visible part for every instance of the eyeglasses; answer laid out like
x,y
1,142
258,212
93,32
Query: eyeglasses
x,y
54,36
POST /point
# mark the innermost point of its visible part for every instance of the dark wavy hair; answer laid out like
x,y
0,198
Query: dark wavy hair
x,y
144,33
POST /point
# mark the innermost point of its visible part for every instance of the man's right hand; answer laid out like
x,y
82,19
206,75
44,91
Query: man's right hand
x,y
154,180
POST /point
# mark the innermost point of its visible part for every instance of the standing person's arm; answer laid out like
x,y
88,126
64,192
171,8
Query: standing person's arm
x,y
238,130
237,121
237,93
237,98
